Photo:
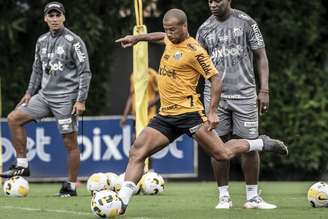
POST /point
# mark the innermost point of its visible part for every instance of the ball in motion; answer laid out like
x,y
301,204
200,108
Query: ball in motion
x,y
106,204
152,183
318,195
16,186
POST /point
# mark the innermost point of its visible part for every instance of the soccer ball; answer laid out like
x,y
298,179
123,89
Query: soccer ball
x,y
318,195
97,182
152,183
113,182
16,186
106,204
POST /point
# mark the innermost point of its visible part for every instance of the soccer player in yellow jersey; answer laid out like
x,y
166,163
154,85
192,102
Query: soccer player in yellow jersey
x,y
181,112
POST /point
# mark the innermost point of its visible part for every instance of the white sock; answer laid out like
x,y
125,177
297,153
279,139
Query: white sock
x,y
223,191
127,190
22,162
72,185
251,191
255,145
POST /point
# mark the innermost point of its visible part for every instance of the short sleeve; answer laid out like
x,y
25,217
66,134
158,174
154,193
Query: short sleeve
x,y
254,35
203,64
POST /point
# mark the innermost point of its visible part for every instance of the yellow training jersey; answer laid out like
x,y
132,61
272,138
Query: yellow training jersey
x,y
180,68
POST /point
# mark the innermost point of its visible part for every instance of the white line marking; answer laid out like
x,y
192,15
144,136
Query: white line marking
x,y
44,210
56,211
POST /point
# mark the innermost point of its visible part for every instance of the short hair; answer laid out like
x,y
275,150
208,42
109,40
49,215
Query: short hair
x,y
176,13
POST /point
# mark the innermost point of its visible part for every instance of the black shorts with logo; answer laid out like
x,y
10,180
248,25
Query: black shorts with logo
x,y
174,126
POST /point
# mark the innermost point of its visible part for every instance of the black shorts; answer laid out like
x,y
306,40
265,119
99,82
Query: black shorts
x,y
174,126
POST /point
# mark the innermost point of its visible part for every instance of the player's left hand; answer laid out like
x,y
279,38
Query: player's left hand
x,y
263,101
78,108
127,41
213,120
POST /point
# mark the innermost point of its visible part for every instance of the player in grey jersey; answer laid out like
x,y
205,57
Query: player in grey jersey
x,y
59,86
232,38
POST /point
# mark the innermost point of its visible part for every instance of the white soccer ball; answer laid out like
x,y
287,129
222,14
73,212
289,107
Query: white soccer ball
x,y
152,183
106,204
318,195
16,186
113,181
97,182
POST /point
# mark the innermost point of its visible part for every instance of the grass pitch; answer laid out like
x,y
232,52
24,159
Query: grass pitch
x,y
179,200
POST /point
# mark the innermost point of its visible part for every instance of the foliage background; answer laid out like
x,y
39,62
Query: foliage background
x,y
295,33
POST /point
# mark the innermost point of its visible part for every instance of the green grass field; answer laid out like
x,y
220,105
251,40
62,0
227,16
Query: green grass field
x,y
180,200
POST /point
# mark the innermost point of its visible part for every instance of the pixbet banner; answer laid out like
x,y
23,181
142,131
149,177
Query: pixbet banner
x,y
104,148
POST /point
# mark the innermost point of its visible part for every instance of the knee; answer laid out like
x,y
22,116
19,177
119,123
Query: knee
x,y
13,119
222,155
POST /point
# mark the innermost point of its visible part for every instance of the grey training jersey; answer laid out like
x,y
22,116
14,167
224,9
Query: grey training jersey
x,y
230,44
61,68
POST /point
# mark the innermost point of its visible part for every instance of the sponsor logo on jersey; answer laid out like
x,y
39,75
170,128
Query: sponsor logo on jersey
x,y
164,71
178,55
224,52
258,35
69,37
80,55
56,66
60,50
202,61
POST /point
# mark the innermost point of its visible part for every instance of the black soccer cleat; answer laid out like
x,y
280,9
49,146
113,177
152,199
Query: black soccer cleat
x,y
66,190
273,145
16,171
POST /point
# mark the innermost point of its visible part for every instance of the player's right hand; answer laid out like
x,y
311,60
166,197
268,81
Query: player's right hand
x,y
213,120
24,101
127,41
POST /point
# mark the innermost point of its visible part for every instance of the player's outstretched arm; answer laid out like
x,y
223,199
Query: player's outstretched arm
x,y
131,40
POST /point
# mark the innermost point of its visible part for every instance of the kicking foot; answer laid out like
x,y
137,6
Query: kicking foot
x,y
273,145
